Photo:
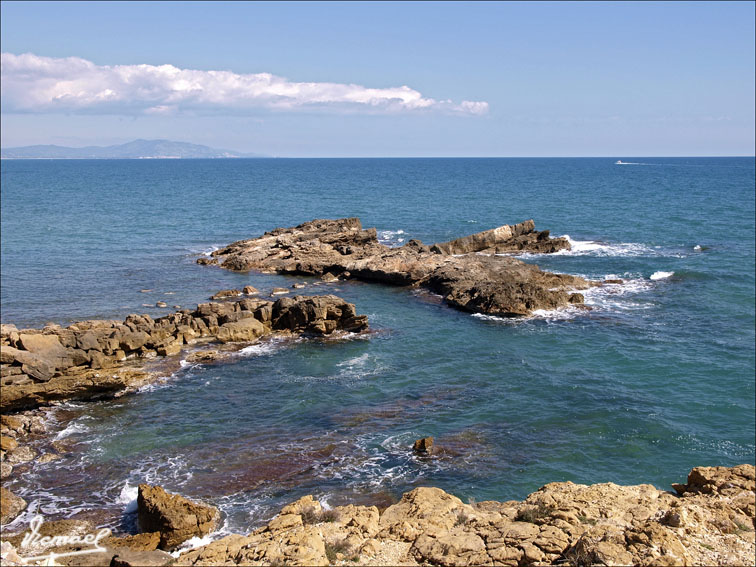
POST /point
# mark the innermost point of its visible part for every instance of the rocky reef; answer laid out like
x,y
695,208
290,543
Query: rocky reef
x,y
707,521
467,271
98,358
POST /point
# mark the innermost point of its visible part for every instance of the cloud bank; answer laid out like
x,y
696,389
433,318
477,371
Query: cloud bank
x,y
35,84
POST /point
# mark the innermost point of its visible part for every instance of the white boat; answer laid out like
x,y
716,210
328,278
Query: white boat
x,y
620,162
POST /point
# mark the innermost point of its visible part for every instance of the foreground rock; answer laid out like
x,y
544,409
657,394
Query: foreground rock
x,y
464,271
125,551
174,517
711,523
92,359
10,505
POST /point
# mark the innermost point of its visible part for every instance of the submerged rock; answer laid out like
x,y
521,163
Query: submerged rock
x,y
466,271
423,446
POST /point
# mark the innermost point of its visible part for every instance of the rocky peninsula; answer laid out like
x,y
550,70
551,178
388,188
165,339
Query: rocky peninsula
x,y
472,273
99,358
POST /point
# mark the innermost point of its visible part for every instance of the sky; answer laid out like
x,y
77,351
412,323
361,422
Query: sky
x,y
380,79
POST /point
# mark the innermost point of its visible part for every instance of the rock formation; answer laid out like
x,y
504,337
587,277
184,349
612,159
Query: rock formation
x,y
710,523
466,271
97,358
174,517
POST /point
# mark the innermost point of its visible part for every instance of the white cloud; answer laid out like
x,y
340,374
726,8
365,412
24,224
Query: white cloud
x,y
31,83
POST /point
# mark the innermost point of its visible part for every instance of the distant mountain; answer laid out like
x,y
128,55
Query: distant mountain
x,y
138,149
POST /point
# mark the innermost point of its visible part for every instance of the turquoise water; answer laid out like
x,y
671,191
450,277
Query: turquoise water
x,y
656,379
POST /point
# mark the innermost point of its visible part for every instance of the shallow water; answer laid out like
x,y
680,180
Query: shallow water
x,y
656,379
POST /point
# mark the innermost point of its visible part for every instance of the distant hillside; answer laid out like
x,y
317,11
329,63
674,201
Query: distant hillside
x,y
138,149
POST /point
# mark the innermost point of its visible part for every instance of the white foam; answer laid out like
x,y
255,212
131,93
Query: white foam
x,y
262,348
72,429
194,543
390,237
356,362
598,248
697,247
128,497
661,275
204,250
556,314
491,317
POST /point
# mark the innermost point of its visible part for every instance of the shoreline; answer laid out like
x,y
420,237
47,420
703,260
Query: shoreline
x,y
708,520
105,359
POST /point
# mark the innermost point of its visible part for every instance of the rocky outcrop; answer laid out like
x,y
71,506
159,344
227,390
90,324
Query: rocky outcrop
x,y
92,359
174,517
520,237
466,271
710,523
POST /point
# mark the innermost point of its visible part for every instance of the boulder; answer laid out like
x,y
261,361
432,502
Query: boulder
x,y
247,329
176,518
10,505
250,290
7,443
38,368
8,354
486,239
320,315
133,340
46,345
226,293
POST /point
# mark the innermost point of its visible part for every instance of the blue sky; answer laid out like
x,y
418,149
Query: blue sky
x,y
482,79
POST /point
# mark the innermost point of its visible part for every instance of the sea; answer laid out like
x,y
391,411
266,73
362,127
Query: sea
x,y
657,378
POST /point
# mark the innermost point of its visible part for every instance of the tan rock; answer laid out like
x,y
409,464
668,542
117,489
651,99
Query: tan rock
x,y
175,517
486,284
239,331
148,541
226,293
7,443
21,454
450,549
125,557
10,505
220,552
420,510
8,555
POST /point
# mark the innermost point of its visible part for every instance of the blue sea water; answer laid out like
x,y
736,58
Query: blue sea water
x,y
656,379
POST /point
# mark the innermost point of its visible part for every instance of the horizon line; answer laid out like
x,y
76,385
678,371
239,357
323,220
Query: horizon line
x,y
616,156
